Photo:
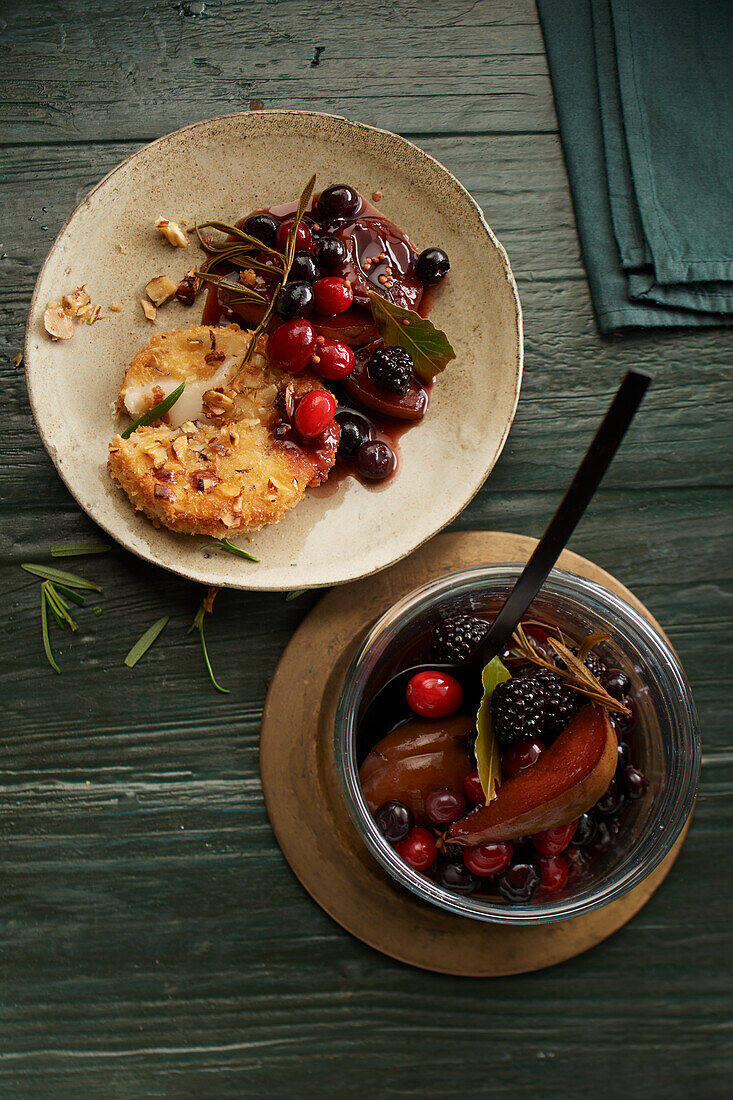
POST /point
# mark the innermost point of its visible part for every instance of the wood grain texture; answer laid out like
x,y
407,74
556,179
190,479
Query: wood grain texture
x,y
153,941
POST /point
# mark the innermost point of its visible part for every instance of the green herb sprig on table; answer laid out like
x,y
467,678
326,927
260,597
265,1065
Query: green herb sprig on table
x,y
57,587
230,547
207,604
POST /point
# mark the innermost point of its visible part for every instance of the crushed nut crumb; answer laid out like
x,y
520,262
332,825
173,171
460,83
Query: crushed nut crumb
x,y
148,309
160,289
115,307
172,233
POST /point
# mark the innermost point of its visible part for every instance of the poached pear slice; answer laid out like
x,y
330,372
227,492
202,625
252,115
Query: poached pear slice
x,y
418,757
569,778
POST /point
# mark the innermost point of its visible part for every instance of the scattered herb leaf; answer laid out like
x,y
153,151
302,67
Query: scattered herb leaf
x,y
97,610
44,627
59,605
76,549
230,547
198,624
486,749
210,245
143,644
237,290
295,593
70,594
156,412
59,576
429,346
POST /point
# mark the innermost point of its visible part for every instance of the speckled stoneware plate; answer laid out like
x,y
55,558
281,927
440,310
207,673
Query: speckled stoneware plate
x,y
221,169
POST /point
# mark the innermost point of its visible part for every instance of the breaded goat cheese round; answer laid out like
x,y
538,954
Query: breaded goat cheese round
x,y
225,458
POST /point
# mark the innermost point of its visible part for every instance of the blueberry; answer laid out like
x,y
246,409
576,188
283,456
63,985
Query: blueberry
x,y
457,878
295,300
376,460
394,821
263,228
611,801
304,268
616,683
330,253
338,201
356,430
432,266
585,831
519,882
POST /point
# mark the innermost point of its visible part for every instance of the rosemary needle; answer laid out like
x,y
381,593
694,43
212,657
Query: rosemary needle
x,y
46,639
143,644
59,576
76,549
198,624
225,544
156,412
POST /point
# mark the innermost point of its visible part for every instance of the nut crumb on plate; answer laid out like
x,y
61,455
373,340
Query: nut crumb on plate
x,y
172,233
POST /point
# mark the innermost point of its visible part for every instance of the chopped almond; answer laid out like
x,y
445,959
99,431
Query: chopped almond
x,y
172,233
77,303
160,289
148,309
58,324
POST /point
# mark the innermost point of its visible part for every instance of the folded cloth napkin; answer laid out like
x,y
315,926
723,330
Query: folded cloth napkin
x,y
644,96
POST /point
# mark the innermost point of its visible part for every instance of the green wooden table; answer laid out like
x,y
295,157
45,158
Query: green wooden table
x,y
153,939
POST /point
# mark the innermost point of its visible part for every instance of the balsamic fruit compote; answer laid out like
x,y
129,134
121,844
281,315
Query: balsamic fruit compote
x,y
567,769
345,250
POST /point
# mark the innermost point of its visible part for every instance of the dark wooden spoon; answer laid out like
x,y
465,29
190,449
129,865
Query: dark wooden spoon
x,y
388,705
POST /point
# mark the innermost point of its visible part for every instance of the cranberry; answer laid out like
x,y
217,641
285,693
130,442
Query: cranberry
x,y
635,782
303,237
457,878
553,841
625,723
418,849
338,201
433,694
376,460
330,253
356,430
303,268
333,359
333,295
291,345
488,859
263,227
521,756
616,682
519,882
445,806
474,790
314,413
585,831
394,821
555,873
610,801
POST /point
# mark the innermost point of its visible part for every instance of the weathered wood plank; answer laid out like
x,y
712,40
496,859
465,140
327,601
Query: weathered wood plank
x,y
76,70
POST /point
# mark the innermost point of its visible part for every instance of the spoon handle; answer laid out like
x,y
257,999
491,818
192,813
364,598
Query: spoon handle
x,y
579,495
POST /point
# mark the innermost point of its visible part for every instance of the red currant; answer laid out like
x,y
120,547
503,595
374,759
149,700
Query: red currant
x,y
333,295
521,756
292,344
303,237
314,413
488,859
434,694
553,841
418,849
333,359
555,873
445,806
474,790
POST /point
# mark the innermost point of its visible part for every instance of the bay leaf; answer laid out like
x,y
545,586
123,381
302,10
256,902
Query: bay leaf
x,y
486,748
429,346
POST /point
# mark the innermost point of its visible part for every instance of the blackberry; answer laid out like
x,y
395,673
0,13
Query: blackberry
x,y
391,369
455,639
561,702
595,664
518,710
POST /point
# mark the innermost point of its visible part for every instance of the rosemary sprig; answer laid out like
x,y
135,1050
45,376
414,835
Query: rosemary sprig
x,y
198,624
210,245
59,576
58,605
156,412
238,257
287,264
76,549
143,644
44,628
575,674
230,547
237,290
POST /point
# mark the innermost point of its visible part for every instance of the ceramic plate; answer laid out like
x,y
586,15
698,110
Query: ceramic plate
x,y
221,169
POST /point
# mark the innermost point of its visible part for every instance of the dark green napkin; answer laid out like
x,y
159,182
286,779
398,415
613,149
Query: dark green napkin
x,y
656,253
